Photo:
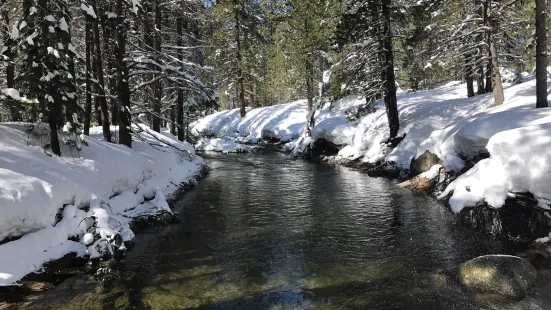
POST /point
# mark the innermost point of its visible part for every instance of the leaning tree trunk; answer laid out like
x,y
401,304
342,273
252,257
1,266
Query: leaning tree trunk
x,y
541,54
390,78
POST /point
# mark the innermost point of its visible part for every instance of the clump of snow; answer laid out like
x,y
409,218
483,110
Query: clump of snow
x,y
111,181
520,161
453,163
432,173
221,145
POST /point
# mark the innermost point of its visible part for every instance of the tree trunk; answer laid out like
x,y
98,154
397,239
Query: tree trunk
x,y
52,122
13,106
88,107
100,82
158,90
469,75
97,108
180,101
478,61
497,87
541,54
480,80
122,78
390,82
239,57
108,49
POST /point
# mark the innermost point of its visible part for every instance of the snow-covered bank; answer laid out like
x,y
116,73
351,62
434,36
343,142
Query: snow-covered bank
x,y
442,121
221,145
90,196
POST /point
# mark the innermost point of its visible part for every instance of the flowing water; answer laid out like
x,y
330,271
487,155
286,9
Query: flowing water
x,y
270,232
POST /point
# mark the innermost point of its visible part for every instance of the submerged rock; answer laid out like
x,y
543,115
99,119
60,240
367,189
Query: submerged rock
x,y
508,276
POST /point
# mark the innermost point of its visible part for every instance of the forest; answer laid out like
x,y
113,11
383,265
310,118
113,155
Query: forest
x,y
104,63
274,154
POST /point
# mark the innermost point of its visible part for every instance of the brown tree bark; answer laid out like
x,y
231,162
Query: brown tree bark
x,y
390,82
541,54
157,86
180,100
100,81
497,87
469,75
88,106
122,78
239,58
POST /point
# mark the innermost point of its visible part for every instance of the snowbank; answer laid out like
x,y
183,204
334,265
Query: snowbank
x,y
443,121
520,162
222,145
47,200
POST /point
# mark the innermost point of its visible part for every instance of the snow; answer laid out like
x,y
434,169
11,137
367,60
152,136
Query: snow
x,y
516,135
431,173
97,191
520,162
221,145
63,24
88,9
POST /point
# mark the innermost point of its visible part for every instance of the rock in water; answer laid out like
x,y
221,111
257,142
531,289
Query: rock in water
x,y
505,275
423,163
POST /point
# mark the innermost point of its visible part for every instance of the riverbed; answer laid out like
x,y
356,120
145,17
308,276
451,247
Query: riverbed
x,y
266,231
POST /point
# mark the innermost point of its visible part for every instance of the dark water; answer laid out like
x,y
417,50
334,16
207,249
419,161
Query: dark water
x,y
270,232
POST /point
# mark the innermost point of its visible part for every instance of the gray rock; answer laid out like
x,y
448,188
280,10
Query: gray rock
x,y
504,275
423,163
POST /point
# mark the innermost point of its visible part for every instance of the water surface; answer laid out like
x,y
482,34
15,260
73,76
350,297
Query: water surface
x,y
270,232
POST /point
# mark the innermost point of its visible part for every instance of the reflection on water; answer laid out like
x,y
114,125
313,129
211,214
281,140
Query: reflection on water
x,y
270,232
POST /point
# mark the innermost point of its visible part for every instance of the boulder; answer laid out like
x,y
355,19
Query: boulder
x,y
504,275
417,184
424,162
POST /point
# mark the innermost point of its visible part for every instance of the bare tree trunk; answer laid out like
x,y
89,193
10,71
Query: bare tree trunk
x,y
478,61
239,57
107,26
469,75
390,82
88,107
480,80
497,87
97,108
10,67
53,116
122,77
158,90
541,54
486,20
100,82
180,101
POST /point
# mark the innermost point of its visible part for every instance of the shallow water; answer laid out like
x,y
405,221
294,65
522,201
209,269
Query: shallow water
x,y
270,232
